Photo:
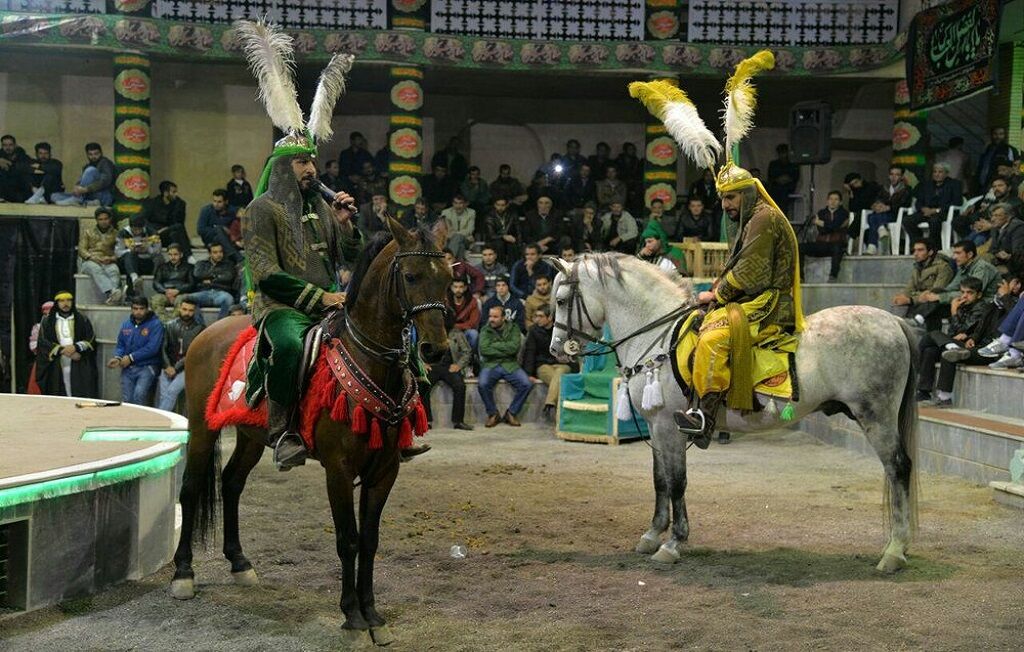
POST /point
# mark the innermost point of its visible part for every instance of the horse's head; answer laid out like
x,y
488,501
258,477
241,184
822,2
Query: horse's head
x,y
421,281
578,318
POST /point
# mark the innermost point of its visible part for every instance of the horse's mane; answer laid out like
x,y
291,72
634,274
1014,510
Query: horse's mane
x,y
611,264
372,249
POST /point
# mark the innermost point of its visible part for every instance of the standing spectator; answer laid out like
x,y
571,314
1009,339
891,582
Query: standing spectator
x,y
138,249
667,220
508,187
886,207
138,353
491,269
696,221
373,216
573,161
611,189
832,223
95,186
968,263
600,160
438,189
174,278
658,251
449,370
452,160
418,215
538,363
546,226
956,159
351,161
66,352
619,230
932,273
501,230
332,178
165,213
14,163
33,345
216,220
631,171
704,187
96,257
966,313
239,192
997,148
934,198
499,347
541,297
476,191
46,175
783,177
511,307
178,336
528,269
465,309
1007,235
214,282
461,221
580,189
862,195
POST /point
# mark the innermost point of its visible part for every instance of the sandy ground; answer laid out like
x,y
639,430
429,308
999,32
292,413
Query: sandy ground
x,y
785,535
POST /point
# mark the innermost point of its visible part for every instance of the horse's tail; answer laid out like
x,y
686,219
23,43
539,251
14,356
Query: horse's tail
x,y
200,486
907,457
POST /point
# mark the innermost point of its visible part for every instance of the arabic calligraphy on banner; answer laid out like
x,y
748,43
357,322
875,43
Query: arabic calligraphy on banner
x,y
951,51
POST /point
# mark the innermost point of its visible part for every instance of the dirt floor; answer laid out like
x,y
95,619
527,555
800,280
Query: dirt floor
x,y
785,533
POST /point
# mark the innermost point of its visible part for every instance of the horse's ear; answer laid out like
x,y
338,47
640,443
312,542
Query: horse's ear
x,y
440,232
558,264
402,236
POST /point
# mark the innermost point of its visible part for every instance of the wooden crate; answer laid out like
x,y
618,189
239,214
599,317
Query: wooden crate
x,y
704,259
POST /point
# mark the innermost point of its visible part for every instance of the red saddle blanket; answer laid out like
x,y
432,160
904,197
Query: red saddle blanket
x,y
337,385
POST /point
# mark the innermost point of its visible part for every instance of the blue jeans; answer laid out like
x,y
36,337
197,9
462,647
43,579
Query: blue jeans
x,y
875,222
1013,324
169,389
215,298
472,336
89,175
137,383
520,382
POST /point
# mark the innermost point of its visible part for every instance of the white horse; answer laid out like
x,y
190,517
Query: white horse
x,y
856,360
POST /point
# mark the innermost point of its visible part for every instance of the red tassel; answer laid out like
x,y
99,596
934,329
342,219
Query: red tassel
x,y
376,438
421,419
405,434
339,412
318,398
358,424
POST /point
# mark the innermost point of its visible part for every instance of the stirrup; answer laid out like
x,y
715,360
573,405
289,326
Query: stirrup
x,y
685,421
288,452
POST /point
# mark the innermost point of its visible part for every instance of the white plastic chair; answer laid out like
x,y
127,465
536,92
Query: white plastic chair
x,y
899,241
860,237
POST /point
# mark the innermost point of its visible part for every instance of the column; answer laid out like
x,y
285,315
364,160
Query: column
x,y
405,134
131,133
661,156
662,20
909,136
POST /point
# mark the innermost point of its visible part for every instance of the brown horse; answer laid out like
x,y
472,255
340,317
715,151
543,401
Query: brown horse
x,y
397,283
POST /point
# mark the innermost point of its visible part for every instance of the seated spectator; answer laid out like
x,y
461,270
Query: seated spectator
x,y
450,370
491,270
508,187
704,187
370,183
667,220
465,309
619,230
418,215
332,178
461,220
237,310
66,352
974,223
138,251
862,196
934,197
475,191
528,269
214,280
46,175
1007,235
966,313
501,230
568,253
932,273
438,189
97,259
216,220
538,363
1006,299
630,169
1004,351
14,165
697,222
546,226
178,336
956,158
541,297
239,192
600,160
137,353
931,307
173,279
541,186
832,223
589,236
611,189
95,186
165,213
462,270
373,216
1010,171
657,251
886,207
580,189
512,308
997,150
499,348
352,160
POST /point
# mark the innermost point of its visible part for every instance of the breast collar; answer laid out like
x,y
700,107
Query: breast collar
x,y
363,391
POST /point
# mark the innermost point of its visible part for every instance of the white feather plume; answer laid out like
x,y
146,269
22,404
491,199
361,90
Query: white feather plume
x,y
328,90
694,138
269,52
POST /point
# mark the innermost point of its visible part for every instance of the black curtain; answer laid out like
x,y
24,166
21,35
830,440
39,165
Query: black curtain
x,y
37,260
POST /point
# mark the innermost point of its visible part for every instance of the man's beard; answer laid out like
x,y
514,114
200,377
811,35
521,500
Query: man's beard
x,y
66,313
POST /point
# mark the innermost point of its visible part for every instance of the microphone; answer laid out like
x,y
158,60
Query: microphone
x,y
329,195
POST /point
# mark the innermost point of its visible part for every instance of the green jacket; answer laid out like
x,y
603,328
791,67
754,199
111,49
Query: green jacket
x,y
980,269
931,276
500,347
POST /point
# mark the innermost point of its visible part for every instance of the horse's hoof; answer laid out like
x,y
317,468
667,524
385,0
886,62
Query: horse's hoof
x,y
648,545
183,589
382,635
665,556
248,577
356,638
891,564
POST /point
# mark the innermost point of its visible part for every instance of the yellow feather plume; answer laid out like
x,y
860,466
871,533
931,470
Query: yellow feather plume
x,y
741,97
670,104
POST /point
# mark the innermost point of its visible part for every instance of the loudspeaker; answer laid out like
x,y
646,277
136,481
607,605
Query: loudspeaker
x,y
810,133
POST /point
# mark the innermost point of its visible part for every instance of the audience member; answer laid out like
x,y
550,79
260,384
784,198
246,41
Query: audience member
x,y
463,270
541,297
885,209
178,336
697,222
214,280
934,197
450,370
216,222
351,161
968,263
476,191
501,230
66,352
619,230
438,189
783,177
461,220
238,311
568,253
1007,235
1004,351
611,189
138,353
499,348
548,227
166,214
95,186
97,259
45,175
831,225
508,187
138,250
541,187
491,269
956,160
580,189
13,165
173,279
369,183
974,222
966,313
932,273
589,231
538,363
528,269
668,220
332,178
512,308
465,309
572,160
1010,171
600,160
862,196
239,192
373,215
452,160
657,251
418,215
704,187
997,148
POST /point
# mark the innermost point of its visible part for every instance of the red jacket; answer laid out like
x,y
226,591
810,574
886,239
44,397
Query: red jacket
x,y
467,314
473,277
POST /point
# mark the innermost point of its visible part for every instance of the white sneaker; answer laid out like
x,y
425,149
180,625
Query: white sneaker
x,y
993,350
871,250
1008,362
883,232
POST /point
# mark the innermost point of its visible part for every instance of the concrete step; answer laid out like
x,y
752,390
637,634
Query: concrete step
x,y
1010,494
87,293
992,392
861,269
441,403
818,296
